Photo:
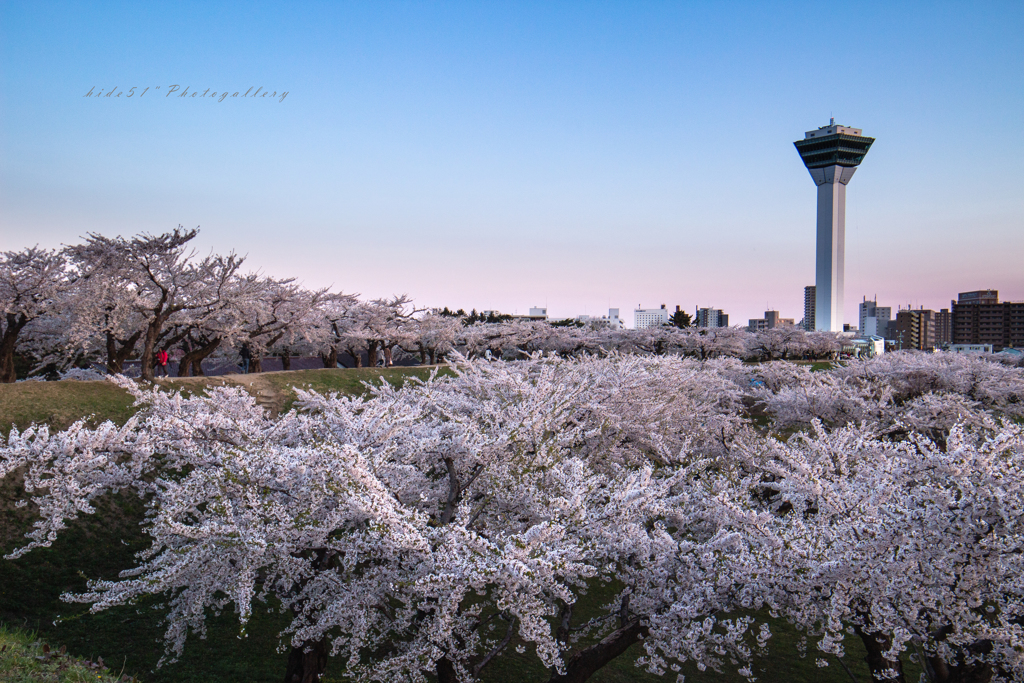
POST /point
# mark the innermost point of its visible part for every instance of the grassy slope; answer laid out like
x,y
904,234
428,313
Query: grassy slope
x,y
25,659
58,404
348,381
103,544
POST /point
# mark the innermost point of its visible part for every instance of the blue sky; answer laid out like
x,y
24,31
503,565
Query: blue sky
x,y
504,155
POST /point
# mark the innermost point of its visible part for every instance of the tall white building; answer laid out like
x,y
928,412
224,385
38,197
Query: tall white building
x,y
831,154
874,318
649,317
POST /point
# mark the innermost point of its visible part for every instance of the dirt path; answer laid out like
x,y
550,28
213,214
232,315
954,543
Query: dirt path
x,y
256,384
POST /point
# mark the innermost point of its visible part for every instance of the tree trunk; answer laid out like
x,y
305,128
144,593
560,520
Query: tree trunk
x,y
446,671
959,671
117,356
357,357
423,354
152,332
330,359
256,363
115,365
307,664
387,357
585,663
877,644
286,360
371,354
192,362
7,344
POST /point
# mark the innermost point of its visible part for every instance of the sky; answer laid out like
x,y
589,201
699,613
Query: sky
x,y
503,155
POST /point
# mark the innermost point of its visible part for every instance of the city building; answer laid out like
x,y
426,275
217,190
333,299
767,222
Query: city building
x,y
868,346
650,317
874,319
981,296
538,314
943,328
831,154
913,329
771,320
809,303
970,348
711,317
612,320
979,318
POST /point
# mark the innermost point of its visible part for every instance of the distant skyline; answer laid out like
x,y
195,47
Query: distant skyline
x,y
573,156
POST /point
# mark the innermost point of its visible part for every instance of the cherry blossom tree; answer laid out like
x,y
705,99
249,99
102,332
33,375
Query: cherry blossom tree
x,y
397,528
148,281
910,374
283,314
823,345
911,545
33,282
389,324
204,333
406,523
657,340
97,320
433,336
331,322
778,343
712,342
378,327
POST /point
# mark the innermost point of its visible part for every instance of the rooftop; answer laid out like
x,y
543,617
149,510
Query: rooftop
x,y
833,145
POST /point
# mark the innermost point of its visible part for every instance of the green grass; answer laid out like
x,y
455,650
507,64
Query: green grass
x,y
26,659
101,545
344,381
58,404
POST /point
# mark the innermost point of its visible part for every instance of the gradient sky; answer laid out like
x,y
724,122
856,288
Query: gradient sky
x,y
503,155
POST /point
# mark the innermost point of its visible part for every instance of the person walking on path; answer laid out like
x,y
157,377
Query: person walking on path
x,y
161,363
246,355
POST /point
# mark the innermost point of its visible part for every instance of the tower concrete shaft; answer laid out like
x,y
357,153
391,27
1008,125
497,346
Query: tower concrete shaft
x,y
831,154
830,254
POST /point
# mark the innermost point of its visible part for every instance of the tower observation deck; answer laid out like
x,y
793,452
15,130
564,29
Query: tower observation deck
x,y
831,154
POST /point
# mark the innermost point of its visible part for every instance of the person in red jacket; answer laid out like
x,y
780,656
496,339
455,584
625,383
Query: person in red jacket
x,y
161,363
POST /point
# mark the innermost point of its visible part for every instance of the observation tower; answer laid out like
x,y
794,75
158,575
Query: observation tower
x,y
831,154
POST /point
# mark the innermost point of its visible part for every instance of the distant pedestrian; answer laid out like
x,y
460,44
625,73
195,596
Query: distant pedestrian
x,y
246,354
161,363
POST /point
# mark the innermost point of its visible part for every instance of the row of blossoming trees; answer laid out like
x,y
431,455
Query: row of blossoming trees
x,y
416,533
109,300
